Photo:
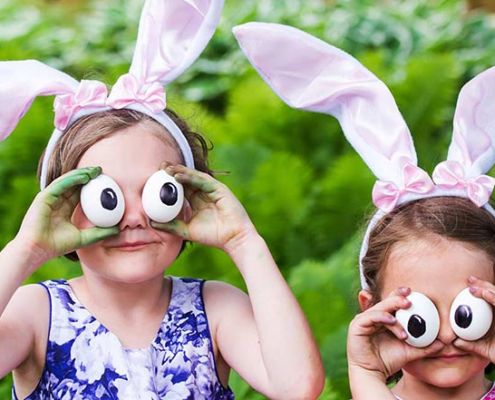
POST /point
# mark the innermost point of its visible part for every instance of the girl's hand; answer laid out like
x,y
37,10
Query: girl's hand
x,y
218,219
47,230
485,346
376,341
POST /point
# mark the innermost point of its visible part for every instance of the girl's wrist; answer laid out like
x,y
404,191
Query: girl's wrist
x,y
356,373
244,243
30,257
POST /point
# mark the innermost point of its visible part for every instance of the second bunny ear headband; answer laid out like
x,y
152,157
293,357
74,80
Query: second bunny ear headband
x,y
172,34
310,74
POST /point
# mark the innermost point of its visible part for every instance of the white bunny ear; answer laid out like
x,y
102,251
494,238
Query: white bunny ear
x,y
172,34
472,151
310,74
473,140
21,82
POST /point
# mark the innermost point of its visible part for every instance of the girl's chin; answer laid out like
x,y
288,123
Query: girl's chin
x,y
447,373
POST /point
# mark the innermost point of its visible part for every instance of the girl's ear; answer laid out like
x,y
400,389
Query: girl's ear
x,y
365,299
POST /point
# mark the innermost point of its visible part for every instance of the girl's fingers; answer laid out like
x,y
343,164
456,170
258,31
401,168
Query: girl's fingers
x,y
176,227
194,178
95,234
371,321
67,181
416,353
477,282
480,347
483,293
397,330
392,303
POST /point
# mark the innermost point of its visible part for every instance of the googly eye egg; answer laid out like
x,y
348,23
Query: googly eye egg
x,y
162,197
102,201
420,321
470,316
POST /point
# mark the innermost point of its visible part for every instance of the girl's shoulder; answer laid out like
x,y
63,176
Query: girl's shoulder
x,y
225,302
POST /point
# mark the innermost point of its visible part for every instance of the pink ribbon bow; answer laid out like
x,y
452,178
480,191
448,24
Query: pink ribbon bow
x,y
88,94
128,90
451,174
387,194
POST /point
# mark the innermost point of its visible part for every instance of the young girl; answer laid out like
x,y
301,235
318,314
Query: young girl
x,y
122,330
427,261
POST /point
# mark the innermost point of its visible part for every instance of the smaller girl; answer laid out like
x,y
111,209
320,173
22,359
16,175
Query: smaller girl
x,y
428,256
124,184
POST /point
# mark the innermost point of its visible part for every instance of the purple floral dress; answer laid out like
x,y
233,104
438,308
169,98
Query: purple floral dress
x,y
86,361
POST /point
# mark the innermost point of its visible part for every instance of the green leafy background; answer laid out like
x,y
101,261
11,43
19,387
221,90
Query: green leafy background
x,y
304,187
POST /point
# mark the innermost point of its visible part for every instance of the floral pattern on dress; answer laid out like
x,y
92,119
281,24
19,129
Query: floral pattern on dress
x,y
85,360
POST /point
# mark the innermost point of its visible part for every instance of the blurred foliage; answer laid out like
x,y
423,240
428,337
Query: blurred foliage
x,y
304,187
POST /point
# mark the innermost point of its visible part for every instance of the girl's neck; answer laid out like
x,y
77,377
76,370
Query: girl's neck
x,y
409,387
128,299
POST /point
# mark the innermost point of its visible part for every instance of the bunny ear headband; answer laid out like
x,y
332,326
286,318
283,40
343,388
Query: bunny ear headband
x,y
309,74
172,34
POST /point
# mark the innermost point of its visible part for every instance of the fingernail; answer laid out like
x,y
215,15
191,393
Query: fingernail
x,y
404,290
473,289
472,279
403,335
94,171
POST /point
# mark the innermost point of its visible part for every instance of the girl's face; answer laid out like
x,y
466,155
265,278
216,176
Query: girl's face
x,y
139,253
439,268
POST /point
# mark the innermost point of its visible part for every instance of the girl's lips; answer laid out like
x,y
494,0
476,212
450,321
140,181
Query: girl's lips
x,y
449,357
130,245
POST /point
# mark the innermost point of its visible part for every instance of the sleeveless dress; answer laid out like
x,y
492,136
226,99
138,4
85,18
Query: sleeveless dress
x,y
85,361
488,396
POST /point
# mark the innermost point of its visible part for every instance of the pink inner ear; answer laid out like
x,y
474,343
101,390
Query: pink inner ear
x,y
172,34
474,126
21,82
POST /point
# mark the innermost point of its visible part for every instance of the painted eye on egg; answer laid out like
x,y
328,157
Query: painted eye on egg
x,y
102,201
420,321
470,316
162,197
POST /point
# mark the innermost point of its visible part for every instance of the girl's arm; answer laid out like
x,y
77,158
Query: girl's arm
x,y
45,233
368,385
265,337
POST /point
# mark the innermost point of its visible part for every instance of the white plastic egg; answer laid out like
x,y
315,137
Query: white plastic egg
x,y
102,201
162,197
420,321
470,316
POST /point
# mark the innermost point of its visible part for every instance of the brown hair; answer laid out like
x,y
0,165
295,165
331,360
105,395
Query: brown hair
x,y
88,130
450,217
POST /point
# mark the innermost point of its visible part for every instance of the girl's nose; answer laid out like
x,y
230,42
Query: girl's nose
x,y
134,215
446,335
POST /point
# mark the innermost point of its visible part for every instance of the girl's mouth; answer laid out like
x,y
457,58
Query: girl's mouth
x,y
450,357
130,246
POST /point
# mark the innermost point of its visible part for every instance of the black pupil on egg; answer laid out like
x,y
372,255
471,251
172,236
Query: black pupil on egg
x,y
416,326
108,199
463,316
168,194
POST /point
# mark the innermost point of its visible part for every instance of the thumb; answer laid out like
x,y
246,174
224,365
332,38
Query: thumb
x,y
480,347
416,353
95,234
176,227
